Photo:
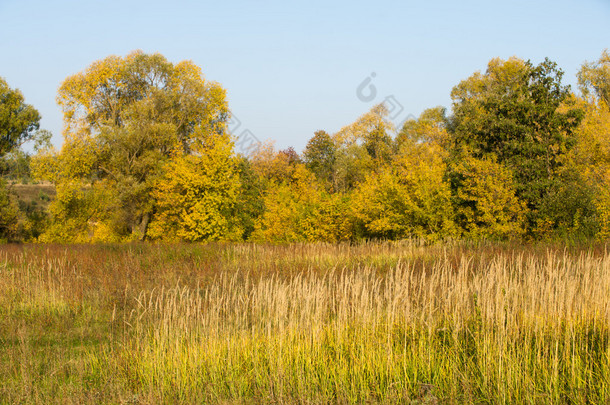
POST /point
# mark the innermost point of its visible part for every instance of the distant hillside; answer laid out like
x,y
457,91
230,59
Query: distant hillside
x,y
40,194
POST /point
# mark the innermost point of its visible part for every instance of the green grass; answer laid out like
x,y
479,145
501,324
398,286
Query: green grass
x,y
305,323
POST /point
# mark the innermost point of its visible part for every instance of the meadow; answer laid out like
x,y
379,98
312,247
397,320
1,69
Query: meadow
x,y
394,322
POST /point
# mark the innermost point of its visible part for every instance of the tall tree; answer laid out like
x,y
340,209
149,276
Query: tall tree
x,y
361,147
594,79
520,115
124,119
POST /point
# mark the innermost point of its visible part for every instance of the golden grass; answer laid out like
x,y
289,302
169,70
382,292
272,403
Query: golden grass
x,y
376,322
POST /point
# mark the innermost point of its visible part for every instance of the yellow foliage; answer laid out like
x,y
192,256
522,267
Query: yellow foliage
x,y
375,119
270,164
591,158
125,119
409,199
300,210
78,214
487,206
196,196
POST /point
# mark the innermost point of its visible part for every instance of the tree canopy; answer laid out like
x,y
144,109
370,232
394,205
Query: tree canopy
x,y
18,120
125,120
147,154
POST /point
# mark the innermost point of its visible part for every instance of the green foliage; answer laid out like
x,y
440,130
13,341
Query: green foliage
x,y
320,155
9,215
250,203
15,166
570,210
513,113
18,120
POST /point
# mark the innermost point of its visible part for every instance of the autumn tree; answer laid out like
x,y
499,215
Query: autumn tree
x,y
430,126
300,210
195,199
594,79
590,158
271,165
410,198
124,120
485,201
512,113
362,147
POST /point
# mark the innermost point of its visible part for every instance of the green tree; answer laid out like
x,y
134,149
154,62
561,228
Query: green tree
x,y
18,121
10,218
250,197
320,156
519,114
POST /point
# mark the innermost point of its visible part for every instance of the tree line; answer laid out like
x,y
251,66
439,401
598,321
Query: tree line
x,y
147,155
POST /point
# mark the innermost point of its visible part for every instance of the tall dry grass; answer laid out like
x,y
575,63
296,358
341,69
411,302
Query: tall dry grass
x,y
387,323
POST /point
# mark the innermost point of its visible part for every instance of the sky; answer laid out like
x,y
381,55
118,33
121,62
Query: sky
x,y
293,67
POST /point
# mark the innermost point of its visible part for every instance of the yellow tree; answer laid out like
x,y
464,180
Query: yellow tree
x,y
408,199
485,202
300,210
124,118
431,127
270,164
590,159
195,198
594,79
361,147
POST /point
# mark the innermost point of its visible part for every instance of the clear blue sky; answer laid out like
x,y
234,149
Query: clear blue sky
x,y
292,67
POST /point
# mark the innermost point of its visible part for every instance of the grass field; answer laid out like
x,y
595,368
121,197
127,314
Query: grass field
x,y
41,193
245,323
